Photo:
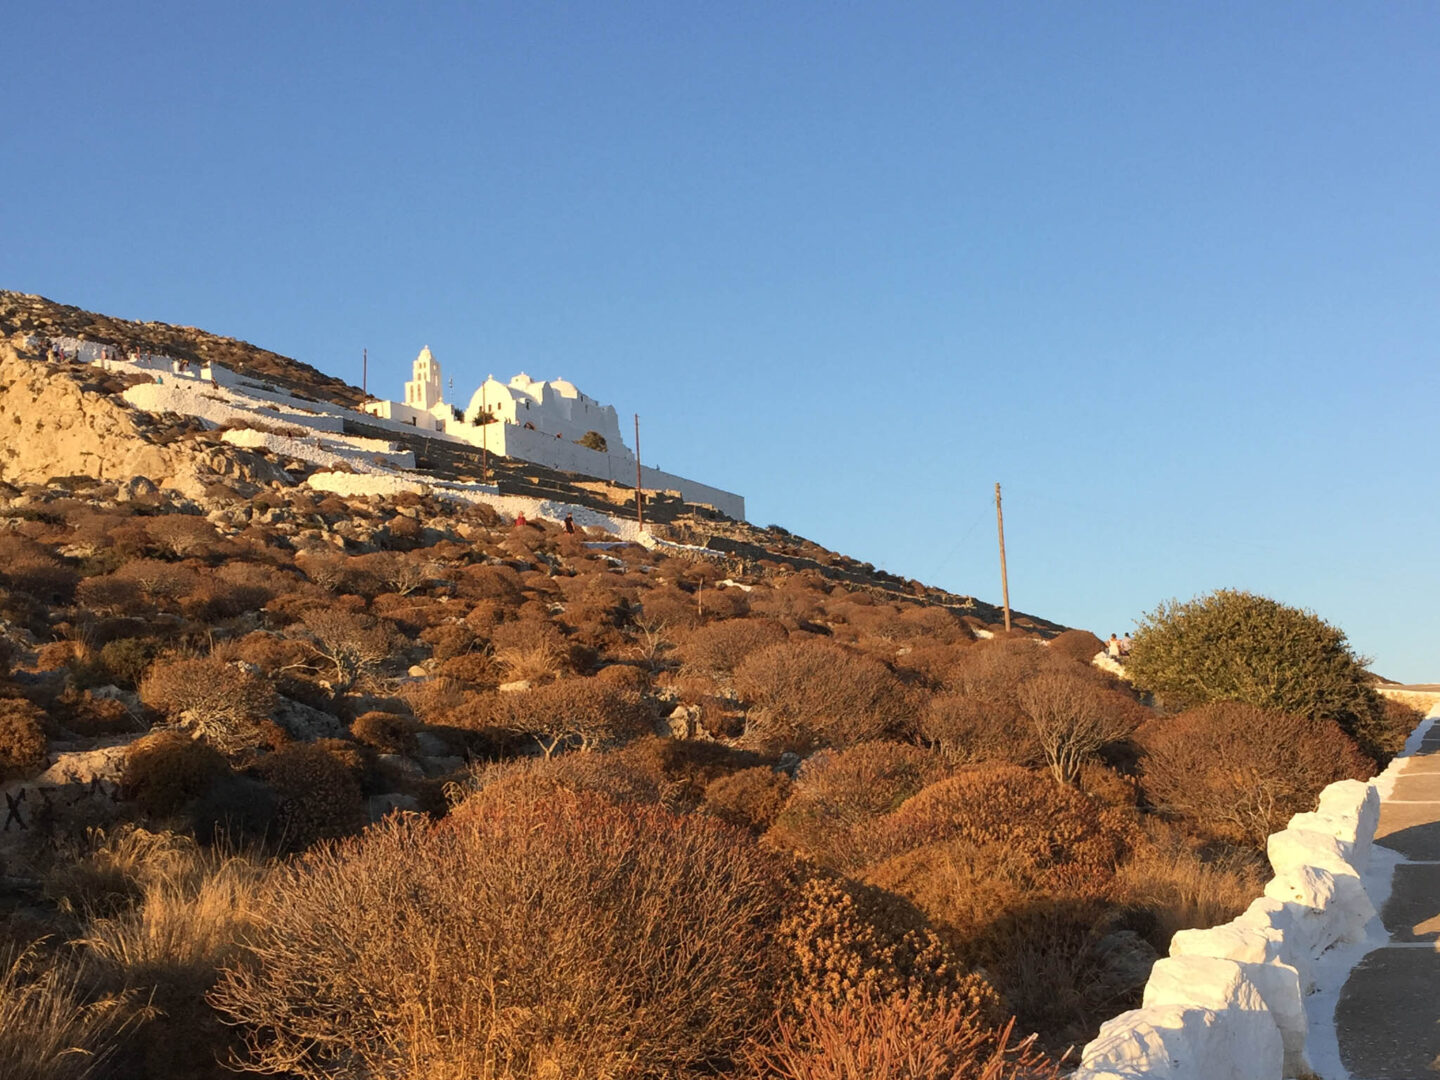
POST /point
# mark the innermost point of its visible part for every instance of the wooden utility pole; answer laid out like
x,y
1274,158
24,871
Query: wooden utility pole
x,y
365,372
1004,577
639,500
484,433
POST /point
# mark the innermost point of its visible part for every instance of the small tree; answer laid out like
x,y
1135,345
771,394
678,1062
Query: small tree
x,y
210,699
593,440
1237,646
352,644
1073,717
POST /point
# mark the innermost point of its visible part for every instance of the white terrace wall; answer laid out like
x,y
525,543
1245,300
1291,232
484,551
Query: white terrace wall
x,y
618,465
1229,1002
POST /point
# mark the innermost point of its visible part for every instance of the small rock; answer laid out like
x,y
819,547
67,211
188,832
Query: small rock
x,y
682,722
401,765
428,744
518,686
304,723
390,803
418,672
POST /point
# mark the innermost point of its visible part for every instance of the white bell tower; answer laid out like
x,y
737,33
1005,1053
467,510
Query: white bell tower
x,y
424,391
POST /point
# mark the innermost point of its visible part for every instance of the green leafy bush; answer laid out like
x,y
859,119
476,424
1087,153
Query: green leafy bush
x,y
1237,646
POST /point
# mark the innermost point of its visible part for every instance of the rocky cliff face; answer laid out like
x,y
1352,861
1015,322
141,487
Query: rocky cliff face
x,y
60,421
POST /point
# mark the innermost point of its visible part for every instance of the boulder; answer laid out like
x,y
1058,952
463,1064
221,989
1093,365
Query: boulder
x,y
393,802
305,723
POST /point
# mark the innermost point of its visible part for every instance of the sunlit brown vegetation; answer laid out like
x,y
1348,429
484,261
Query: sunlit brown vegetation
x,y
397,790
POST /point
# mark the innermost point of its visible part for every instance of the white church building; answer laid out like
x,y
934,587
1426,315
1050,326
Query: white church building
x,y
543,422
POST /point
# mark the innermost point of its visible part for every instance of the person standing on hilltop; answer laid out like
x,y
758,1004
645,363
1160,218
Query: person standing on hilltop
x,y
1125,647
520,520
1112,648
569,524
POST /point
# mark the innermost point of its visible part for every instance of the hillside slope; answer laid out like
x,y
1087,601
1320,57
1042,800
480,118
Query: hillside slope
x,y
74,421
23,313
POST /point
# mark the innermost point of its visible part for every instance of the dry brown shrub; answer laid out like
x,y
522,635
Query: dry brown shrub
x,y
750,798
1003,832
22,738
1079,645
637,680
167,770
159,582
213,599
489,787
434,699
812,693
473,669
57,654
722,603
584,714
667,605
412,614
839,792
1109,786
484,616
210,699
1238,773
181,535
490,582
87,715
681,769
31,568
449,639
531,649
318,792
271,653
388,733
349,645
845,941
719,647
568,968
897,1038
110,595
968,730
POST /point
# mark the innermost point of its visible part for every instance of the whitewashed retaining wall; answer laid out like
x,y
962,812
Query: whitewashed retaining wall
x,y
1228,1003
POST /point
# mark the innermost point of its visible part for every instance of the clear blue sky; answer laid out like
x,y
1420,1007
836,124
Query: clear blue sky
x,y
1168,271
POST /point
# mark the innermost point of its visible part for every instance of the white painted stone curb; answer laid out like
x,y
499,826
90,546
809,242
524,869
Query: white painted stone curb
x,y
1229,1002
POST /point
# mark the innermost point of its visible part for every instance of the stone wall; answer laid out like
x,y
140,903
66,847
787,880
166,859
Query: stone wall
x,y
1230,1001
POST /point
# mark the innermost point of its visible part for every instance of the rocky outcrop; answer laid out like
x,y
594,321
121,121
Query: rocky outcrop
x,y
57,421
51,424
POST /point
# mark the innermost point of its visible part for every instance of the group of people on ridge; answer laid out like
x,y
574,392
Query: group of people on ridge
x,y
1118,648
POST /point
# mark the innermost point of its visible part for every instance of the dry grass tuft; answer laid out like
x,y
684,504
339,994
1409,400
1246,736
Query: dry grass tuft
x,y
55,1024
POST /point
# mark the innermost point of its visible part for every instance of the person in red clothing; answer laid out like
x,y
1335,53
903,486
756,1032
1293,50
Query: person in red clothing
x,y
519,521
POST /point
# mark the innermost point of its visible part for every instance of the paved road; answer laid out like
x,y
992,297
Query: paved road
x,y
1388,1018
